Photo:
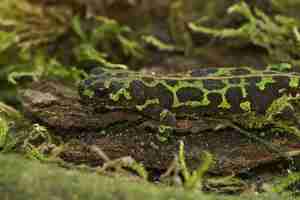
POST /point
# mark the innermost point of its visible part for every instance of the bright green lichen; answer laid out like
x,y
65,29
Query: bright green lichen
x,y
246,106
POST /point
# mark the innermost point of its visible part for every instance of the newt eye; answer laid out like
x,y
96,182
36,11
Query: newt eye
x,y
101,92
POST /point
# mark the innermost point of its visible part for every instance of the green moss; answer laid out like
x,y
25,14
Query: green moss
x,y
288,7
193,180
277,34
25,179
294,82
108,39
251,120
7,39
159,44
177,25
34,153
3,132
278,105
88,93
164,132
280,184
15,14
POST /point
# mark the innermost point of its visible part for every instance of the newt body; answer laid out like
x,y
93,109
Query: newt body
x,y
218,92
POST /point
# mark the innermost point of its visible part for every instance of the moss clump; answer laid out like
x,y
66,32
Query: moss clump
x,y
25,179
3,132
277,34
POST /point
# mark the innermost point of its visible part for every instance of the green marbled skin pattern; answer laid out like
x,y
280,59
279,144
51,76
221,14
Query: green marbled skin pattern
x,y
201,92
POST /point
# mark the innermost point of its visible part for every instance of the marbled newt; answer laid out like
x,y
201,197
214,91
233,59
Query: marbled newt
x,y
245,95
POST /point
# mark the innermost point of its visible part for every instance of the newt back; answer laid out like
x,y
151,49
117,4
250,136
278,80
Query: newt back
x,y
207,91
